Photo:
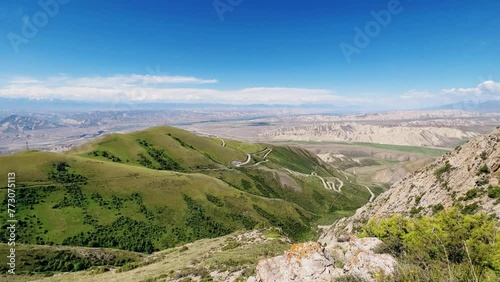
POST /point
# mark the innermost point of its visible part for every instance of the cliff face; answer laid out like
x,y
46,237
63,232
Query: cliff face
x,y
465,177
402,134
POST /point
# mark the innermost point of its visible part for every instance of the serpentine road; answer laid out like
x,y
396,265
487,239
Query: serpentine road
x,y
327,184
371,193
249,158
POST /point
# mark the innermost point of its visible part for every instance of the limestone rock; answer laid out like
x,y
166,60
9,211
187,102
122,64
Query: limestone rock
x,y
311,262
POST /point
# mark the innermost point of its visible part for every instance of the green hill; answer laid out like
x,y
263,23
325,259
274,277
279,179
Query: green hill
x,y
164,187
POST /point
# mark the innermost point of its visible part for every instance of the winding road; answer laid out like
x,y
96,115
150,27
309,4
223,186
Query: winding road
x,y
327,184
371,193
249,158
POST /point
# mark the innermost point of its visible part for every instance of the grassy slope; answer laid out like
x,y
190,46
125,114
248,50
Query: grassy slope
x,y
207,156
192,152
161,191
51,259
232,253
122,201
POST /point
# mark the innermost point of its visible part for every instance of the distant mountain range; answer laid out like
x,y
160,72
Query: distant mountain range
x,y
15,123
492,106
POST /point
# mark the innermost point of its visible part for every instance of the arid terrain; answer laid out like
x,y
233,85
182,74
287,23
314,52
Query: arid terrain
x,y
443,128
378,147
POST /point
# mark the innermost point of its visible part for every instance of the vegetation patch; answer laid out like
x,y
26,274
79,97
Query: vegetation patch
x,y
51,260
214,200
483,155
106,155
494,192
124,234
449,246
483,170
470,209
471,194
437,208
62,173
164,161
442,170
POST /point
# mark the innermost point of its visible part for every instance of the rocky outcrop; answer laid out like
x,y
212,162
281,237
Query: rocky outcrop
x,y
312,262
460,178
359,258
303,262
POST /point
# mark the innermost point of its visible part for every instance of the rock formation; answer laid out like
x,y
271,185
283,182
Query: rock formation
x,y
312,262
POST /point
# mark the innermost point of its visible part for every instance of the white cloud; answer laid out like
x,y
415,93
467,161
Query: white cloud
x,y
487,88
114,81
135,80
162,88
416,94
290,96
156,88
24,80
485,91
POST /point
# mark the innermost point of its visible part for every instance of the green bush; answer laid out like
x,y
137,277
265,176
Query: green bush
x,y
483,170
470,209
484,155
415,211
445,247
494,192
442,170
214,200
437,208
471,194
165,162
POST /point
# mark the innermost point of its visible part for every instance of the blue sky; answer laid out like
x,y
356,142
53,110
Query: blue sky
x,y
429,52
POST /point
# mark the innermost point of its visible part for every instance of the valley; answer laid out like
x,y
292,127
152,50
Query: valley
x,y
165,187
166,194
250,141
125,204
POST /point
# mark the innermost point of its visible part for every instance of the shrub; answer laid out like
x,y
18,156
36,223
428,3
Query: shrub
x,y
483,170
415,211
214,200
471,194
442,170
494,192
437,208
417,200
484,155
482,182
470,209
444,247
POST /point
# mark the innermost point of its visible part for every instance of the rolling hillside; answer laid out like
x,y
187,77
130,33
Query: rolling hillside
x,y
164,187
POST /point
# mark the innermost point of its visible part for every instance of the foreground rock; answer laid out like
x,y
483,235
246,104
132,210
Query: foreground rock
x,y
311,262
